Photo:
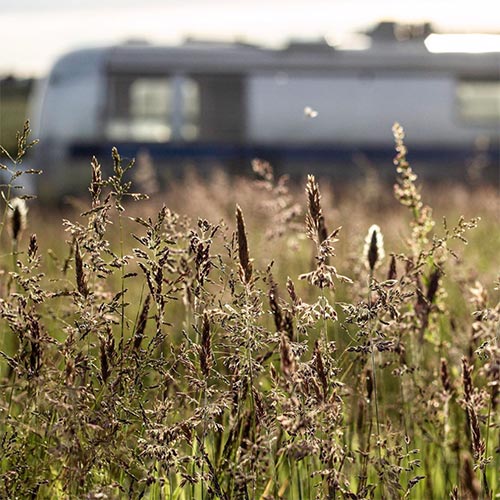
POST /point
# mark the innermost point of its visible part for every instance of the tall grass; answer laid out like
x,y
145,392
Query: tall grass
x,y
243,354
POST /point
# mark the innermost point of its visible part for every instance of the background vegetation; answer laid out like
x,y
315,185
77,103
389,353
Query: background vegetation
x,y
13,108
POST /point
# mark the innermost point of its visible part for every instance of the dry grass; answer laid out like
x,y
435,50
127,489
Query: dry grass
x,y
177,354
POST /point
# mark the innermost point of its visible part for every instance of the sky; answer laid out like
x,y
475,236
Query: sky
x,y
34,33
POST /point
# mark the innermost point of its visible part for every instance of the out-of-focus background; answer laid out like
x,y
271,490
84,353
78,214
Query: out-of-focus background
x,y
304,84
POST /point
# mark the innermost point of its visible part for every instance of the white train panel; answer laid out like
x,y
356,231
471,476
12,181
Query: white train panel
x,y
353,110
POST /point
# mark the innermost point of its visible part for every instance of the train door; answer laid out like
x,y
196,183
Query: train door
x,y
221,107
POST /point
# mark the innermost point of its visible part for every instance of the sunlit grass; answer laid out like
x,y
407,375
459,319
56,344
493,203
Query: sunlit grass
x,y
236,378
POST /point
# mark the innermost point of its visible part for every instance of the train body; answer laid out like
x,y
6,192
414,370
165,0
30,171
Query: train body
x,y
304,107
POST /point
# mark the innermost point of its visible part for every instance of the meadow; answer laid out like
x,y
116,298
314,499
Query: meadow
x,y
248,338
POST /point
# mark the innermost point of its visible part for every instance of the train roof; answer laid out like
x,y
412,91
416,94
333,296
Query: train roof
x,y
210,57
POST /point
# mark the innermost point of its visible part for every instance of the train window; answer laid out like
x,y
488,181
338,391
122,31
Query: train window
x,y
139,109
150,108
479,101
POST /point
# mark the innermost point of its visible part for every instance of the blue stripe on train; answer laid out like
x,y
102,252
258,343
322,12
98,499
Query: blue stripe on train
x,y
342,161
224,151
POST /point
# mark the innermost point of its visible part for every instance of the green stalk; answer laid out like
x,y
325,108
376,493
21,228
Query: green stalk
x,y
375,388
122,279
248,354
375,391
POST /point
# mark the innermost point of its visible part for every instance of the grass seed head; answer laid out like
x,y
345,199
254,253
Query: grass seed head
x,y
32,247
445,377
275,307
96,183
374,247
288,364
433,285
393,273
244,257
104,360
141,323
315,222
206,348
17,213
81,279
35,359
320,368
478,445
369,384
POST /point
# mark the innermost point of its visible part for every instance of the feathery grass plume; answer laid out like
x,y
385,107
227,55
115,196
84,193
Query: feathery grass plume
x,y
424,303
200,246
296,300
467,379
454,493
245,261
35,359
141,323
263,169
96,182
478,445
392,273
324,275
433,285
81,279
287,325
288,364
23,143
279,204
369,384
373,252
275,307
17,212
408,194
405,190
206,347
104,360
315,222
445,377
320,368
32,248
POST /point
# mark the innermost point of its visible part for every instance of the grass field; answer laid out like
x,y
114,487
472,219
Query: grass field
x,y
236,338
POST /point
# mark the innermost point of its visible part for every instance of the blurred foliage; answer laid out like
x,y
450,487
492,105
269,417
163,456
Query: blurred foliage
x,y
14,95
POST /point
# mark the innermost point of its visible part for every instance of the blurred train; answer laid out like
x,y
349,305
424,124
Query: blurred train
x,y
306,107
